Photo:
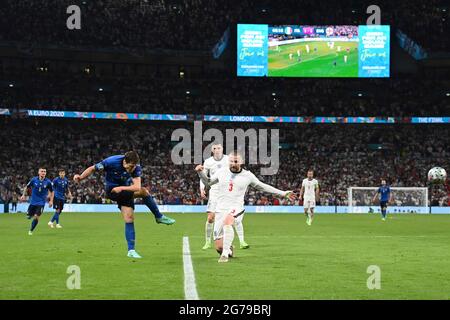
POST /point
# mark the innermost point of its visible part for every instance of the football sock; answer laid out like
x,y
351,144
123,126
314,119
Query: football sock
x,y
209,227
151,204
55,217
383,212
239,230
34,224
228,237
130,235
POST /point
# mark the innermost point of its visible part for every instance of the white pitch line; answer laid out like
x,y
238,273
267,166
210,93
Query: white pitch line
x,y
190,287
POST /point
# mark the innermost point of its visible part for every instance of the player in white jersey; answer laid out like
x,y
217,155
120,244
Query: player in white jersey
x,y
233,182
309,192
211,166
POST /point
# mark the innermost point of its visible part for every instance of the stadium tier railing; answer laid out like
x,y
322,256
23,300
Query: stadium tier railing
x,y
221,118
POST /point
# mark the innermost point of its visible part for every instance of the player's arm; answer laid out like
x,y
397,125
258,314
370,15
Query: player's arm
x,y
302,190
69,194
202,185
317,191
24,193
86,173
208,182
135,186
261,186
376,194
51,195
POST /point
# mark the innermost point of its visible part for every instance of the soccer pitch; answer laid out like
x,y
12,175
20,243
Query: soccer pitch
x,y
287,259
315,63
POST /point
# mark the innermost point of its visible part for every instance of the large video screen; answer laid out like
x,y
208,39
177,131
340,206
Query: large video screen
x,y
313,51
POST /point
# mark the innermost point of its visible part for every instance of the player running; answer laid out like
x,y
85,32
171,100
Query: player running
x,y
309,192
211,166
385,197
233,182
123,185
41,189
60,188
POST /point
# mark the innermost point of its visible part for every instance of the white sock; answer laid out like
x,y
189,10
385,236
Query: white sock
x,y
228,237
239,230
209,227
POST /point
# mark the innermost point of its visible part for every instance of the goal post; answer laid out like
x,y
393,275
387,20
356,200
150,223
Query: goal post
x,y
404,200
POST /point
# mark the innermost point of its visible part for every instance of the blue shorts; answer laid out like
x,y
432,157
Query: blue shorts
x,y
383,204
58,204
123,198
35,210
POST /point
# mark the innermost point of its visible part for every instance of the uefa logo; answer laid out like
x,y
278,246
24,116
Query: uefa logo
x,y
288,30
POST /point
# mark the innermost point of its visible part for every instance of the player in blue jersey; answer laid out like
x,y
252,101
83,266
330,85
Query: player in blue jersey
x,y
41,189
123,185
60,189
385,197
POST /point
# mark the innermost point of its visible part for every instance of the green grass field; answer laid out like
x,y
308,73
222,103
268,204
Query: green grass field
x,y
287,259
315,63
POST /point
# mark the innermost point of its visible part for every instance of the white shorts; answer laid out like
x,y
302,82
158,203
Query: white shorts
x,y
309,203
212,204
219,221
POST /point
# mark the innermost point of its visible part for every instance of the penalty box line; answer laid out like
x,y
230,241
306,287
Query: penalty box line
x,y
190,286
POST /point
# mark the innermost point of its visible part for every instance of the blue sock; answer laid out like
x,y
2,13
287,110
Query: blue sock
x,y
56,216
130,235
34,224
383,212
151,204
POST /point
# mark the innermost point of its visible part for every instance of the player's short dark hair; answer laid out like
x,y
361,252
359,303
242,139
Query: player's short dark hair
x,y
235,153
311,170
42,167
61,170
131,157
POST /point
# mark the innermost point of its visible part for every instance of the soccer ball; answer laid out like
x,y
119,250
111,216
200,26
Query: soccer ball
x,y
437,175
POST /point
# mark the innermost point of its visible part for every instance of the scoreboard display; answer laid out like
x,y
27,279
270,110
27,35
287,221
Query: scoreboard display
x,y
313,51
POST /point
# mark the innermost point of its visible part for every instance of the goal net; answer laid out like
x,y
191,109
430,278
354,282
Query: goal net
x,y
404,200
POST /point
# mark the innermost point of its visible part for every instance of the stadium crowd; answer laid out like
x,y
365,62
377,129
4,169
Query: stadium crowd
x,y
341,155
198,24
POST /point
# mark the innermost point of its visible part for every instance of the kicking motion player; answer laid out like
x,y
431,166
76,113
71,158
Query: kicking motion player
x,y
123,185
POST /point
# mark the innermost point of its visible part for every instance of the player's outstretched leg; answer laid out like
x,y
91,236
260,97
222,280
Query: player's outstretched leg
x,y
209,228
239,226
151,204
130,234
